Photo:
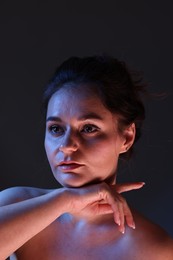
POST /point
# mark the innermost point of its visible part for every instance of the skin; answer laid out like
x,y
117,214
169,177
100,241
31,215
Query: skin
x,y
75,135
87,218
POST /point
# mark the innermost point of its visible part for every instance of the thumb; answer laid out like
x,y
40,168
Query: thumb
x,y
120,188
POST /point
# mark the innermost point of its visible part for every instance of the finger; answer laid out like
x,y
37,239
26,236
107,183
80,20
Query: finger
x,y
116,210
120,188
108,197
104,209
128,215
122,220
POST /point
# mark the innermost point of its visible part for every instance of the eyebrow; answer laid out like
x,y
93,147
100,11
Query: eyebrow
x,y
91,115
81,118
53,118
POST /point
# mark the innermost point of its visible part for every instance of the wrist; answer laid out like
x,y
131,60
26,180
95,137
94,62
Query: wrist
x,y
64,198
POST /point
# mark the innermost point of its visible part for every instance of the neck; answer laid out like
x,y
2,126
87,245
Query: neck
x,y
98,229
93,221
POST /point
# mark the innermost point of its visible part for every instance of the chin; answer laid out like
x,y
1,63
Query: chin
x,y
72,183
77,183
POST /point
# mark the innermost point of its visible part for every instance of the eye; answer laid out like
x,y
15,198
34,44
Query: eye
x,y
56,130
88,129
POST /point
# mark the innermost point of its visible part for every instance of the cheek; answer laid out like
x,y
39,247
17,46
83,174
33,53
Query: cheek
x,y
104,147
48,154
102,159
49,148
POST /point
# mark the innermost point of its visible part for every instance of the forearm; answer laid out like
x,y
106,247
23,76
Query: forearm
x,y
21,221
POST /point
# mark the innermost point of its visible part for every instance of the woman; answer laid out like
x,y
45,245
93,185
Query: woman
x,y
93,117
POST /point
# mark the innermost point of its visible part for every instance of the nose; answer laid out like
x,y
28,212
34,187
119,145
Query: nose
x,y
69,143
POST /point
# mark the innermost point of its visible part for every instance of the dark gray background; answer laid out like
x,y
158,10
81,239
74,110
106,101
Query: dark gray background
x,y
36,36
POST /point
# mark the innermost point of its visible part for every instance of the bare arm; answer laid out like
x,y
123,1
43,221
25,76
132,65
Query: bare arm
x,y
20,221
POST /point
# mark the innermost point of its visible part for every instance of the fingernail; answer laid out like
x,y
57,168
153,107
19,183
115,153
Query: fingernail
x,y
117,222
133,226
123,231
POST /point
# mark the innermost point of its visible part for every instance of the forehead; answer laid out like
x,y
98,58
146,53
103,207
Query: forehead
x,y
75,101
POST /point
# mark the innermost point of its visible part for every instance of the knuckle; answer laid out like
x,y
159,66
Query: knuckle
x,y
122,199
103,188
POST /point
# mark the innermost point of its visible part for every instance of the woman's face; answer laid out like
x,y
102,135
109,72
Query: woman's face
x,y
82,140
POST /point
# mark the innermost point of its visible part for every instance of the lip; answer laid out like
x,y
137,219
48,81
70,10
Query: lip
x,y
67,166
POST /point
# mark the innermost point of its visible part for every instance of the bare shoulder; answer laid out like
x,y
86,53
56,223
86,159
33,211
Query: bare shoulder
x,y
17,194
155,241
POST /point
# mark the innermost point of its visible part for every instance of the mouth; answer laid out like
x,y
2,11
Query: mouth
x,y
69,166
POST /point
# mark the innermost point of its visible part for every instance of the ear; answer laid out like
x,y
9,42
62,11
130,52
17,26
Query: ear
x,y
128,138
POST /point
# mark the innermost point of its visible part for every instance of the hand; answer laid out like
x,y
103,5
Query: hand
x,y
103,199
123,213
